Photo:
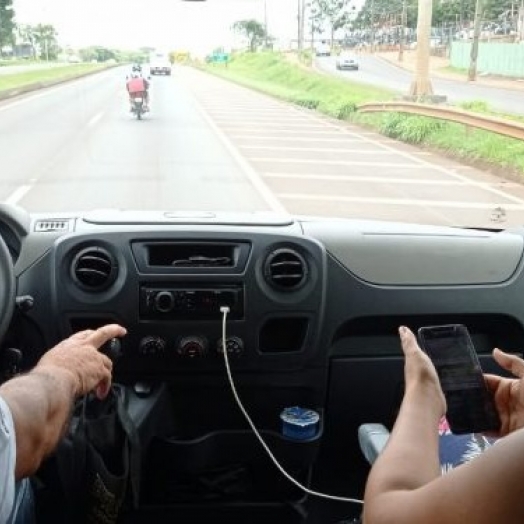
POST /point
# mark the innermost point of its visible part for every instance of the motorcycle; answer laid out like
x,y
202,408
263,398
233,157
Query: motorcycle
x,y
138,107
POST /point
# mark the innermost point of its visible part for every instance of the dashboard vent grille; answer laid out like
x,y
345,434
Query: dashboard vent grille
x,y
94,269
285,269
44,226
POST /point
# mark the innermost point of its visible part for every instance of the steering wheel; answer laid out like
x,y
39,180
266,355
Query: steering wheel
x,y
7,288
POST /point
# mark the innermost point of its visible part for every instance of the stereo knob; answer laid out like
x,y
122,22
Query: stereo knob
x,y
234,345
152,346
164,301
192,347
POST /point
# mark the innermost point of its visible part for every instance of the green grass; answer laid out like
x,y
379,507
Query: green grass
x,y
17,80
9,62
273,74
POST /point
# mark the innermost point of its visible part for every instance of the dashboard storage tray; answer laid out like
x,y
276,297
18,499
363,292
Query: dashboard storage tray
x,y
227,466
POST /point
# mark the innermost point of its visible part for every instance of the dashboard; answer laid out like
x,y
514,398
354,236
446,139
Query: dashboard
x,y
304,294
314,309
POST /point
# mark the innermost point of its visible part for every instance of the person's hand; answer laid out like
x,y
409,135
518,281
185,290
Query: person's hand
x,y
78,356
420,374
508,393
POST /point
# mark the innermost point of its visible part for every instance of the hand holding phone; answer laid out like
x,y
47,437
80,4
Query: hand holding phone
x,y
471,408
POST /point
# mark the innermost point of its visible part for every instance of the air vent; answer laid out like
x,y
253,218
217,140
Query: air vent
x,y
94,269
285,269
44,226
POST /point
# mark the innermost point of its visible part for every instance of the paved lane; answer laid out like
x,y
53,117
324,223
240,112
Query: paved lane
x,y
379,72
318,166
77,147
214,146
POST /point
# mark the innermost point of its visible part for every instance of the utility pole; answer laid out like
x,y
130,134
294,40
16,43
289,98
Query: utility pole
x,y
265,23
403,24
521,22
421,85
372,14
472,73
303,24
299,25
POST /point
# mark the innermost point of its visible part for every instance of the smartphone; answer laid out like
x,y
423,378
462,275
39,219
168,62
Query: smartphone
x,y
471,408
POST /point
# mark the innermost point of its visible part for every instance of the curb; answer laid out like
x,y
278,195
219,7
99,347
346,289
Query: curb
x,y
36,86
452,78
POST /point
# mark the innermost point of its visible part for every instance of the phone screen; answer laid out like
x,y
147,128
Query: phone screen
x,y
470,405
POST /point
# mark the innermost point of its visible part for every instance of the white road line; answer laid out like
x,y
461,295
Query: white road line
x,y
95,119
226,116
268,126
378,180
250,173
316,149
399,201
421,161
18,194
345,140
332,162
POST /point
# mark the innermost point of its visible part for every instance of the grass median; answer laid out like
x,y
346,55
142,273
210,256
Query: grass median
x,y
12,81
274,74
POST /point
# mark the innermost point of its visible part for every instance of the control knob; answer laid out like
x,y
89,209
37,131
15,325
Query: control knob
x,y
164,301
234,346
152,345
192,347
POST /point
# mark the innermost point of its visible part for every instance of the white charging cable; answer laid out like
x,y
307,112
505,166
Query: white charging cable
x,y
225,310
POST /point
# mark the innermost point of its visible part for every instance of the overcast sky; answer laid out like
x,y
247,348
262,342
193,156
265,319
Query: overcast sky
x,y
167,24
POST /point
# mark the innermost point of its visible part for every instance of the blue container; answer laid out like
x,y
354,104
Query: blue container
x,y
299,423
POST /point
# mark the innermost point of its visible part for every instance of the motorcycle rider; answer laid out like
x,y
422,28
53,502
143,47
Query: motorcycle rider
x,y
137,85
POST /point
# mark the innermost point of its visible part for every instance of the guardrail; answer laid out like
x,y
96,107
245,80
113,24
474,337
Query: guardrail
x,y
451,114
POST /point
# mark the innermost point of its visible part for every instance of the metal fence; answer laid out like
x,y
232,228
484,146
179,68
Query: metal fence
x,y
493,58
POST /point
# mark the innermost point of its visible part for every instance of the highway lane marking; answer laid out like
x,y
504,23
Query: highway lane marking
x,y
421,161
280,139
268,126
250,173
332,162
263,117
377,179
18,194
316,149
400,201
95,119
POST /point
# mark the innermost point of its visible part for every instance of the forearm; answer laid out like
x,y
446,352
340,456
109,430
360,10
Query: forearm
x,y
410,458
40,403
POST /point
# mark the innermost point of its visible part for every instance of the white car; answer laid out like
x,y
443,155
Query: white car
x,y
347,61
323,50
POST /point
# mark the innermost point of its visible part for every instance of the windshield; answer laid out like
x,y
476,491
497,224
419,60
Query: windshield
x,y
247,106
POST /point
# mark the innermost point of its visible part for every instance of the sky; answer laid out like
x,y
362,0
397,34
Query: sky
x,y
163,24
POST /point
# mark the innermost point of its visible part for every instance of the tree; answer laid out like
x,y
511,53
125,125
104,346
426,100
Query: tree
x,y
336,13
27,36
7,23
45,38
253,30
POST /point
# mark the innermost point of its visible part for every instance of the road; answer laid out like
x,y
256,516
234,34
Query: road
x,y
210,145
379,72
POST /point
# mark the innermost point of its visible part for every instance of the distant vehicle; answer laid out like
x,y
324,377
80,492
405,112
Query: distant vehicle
x,y
159,64
323,49
347,61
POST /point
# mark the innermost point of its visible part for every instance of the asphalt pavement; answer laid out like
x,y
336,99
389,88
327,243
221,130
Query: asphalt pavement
x,y
211,145
379,72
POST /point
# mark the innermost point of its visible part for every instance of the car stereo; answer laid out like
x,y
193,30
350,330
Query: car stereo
x,y
169,303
